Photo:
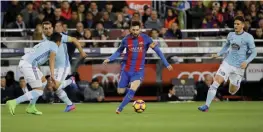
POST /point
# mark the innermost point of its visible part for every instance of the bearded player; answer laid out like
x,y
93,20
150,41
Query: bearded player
x,y
62,64
240,50
132,66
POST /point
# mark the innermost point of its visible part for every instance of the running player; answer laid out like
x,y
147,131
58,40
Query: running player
x,y
28,66
132,67
62,64
237,47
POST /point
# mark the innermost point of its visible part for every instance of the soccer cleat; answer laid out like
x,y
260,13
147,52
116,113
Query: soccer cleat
x,y
11,106
70,108
118,111
31,109
203,108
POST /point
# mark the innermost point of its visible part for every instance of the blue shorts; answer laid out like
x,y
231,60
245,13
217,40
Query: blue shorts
x,y
127,77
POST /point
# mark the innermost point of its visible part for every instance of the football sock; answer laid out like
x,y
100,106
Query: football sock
x,y
65,83
34,94
211,93
128,97
34,100
63,96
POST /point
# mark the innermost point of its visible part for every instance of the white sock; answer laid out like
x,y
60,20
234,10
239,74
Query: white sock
x,y
63,96
65,83
211,93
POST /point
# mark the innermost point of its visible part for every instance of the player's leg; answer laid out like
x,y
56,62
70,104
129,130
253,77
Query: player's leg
x,y
221,76
123,83
136,79
31,109
32,77
235,80
60,75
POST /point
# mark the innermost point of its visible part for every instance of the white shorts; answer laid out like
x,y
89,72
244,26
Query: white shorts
x,y
61,73
32,75
234,74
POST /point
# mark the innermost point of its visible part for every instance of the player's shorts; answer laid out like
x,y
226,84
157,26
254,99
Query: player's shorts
x,y
31,74
61,73
234,74
127,77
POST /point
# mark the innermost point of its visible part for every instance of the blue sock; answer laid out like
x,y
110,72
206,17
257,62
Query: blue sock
x,y
211,93
34,94
128,97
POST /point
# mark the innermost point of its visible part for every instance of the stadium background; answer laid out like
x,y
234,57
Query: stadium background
x,y
191,31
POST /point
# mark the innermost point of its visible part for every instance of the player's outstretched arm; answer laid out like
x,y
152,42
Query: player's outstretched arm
x,y
115,55
160,54
78,46
224,49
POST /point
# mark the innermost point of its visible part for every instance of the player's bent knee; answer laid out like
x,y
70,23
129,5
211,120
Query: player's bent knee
x,y
121,90
219,79
36,84
233,89
135,85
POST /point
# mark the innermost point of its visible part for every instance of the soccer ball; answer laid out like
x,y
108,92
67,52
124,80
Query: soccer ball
x,y
139,106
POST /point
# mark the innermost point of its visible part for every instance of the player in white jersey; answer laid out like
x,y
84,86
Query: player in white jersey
x,y
239,50
28,66
62,64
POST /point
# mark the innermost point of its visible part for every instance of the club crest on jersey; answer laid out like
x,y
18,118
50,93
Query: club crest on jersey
x,y
235,46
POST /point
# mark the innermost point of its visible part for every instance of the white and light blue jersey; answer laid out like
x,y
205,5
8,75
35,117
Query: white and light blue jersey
x,y
62,58
240,48
39,54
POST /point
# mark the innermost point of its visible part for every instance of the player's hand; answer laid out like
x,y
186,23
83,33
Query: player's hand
x,y
83,55
100,98
214,56
105,62
243,65
53,80
170,68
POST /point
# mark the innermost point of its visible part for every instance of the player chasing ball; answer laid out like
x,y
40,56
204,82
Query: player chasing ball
x,y
132,66
28,66
236,48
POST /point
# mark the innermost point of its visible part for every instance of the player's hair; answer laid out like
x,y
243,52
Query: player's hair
x,y
60,22
21,78
55,37
240,18
135,23
46,23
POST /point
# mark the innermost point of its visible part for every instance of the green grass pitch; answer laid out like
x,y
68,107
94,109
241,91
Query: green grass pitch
x,y
158,117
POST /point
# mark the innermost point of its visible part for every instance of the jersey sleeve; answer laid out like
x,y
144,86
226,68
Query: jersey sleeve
x,y
251,42
252,48
53,47
65,38
119,51
225,46
148,40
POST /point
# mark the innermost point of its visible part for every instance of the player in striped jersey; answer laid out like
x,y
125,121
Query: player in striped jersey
x,y
28,66
132,66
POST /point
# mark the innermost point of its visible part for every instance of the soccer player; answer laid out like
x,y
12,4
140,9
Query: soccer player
x,y
62,64
28,66
236,48
132,66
